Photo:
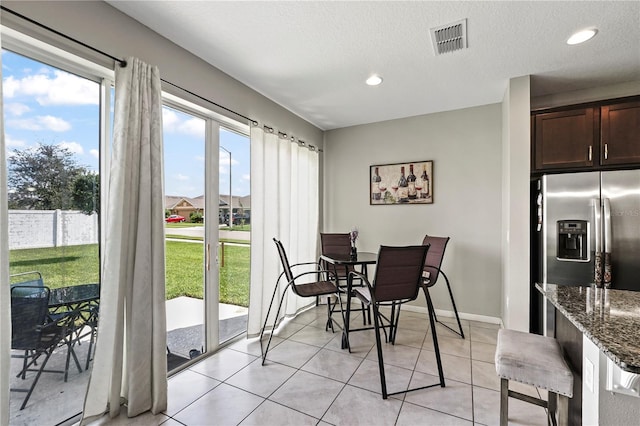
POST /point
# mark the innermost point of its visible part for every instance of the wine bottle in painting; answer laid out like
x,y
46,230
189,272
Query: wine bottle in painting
x,y
403,187
375,186
411,181
425,183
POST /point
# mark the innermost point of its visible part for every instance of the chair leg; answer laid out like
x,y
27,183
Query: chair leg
x,y
434,335
35,380
562,417
455,309
504,401
69,342
393,329
376,326
552,407
329,324
275,321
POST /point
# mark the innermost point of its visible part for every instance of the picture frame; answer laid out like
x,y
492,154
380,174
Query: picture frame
x,y
387,185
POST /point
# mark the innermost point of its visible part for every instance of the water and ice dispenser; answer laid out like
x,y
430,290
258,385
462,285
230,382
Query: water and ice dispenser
x,y
573,241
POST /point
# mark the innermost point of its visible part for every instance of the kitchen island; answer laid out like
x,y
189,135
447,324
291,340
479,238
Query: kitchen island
x,y
607,359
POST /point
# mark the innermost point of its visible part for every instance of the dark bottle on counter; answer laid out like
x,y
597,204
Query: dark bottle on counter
x,y
425,183
375,186
411,180
403,187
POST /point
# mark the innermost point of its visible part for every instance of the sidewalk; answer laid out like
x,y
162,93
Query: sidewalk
x,y
185,319
188,311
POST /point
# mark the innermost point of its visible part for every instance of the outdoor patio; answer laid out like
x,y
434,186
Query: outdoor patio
x,y
54,401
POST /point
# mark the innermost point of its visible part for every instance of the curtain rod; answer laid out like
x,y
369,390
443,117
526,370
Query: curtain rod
x,y
123,63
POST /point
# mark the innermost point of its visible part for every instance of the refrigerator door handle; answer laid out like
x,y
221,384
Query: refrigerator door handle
x,y
607,225
607,242
597,225
597,232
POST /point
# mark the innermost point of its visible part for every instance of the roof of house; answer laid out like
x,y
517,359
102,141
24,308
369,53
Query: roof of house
x,y
171,201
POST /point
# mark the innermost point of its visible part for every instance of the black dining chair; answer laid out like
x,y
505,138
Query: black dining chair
x,y
397,281
33,334
339,244
433,270
306,289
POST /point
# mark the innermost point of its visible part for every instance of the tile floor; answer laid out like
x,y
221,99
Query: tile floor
x,y
309,380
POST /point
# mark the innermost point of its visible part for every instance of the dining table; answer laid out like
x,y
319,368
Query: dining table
x,y
362,259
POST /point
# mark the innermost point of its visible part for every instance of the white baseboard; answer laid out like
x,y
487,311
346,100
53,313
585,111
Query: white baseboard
x,y
451,314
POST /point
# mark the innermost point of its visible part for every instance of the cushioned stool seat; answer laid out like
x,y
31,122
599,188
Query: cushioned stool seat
x,y
535,360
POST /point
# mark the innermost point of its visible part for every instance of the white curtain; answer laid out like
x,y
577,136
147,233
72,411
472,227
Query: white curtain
x,y
130,364
284,205
5,296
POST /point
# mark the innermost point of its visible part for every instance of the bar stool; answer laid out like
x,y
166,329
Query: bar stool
x,y
535,360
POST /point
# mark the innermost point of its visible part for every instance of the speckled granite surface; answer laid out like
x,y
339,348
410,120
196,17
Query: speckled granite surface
x,y
609,318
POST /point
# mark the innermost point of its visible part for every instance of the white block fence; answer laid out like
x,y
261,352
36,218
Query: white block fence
x,y
51,228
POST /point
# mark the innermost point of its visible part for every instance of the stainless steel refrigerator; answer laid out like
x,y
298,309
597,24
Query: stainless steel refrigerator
x,y
590,224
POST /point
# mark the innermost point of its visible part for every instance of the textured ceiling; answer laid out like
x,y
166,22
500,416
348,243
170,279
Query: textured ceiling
x,y
312,57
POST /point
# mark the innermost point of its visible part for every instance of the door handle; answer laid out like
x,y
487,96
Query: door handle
x,y
208,257
608,246
597,231
607,225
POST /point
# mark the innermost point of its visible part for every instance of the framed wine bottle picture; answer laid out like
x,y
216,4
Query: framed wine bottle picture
x,y
401,183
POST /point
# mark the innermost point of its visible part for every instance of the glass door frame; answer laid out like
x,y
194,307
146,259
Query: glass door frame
x,y
214,122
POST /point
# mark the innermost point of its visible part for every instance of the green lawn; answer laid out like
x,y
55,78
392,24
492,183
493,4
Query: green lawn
x,y
70,265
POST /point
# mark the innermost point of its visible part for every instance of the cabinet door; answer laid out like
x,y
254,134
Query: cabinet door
x,y
565,139
620,134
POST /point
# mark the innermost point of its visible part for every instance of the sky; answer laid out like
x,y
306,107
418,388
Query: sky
x,y
43,104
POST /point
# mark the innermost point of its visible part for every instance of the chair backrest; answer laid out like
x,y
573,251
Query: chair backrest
x,y
26,280
399,273
29,308
284,260
338,245
434,257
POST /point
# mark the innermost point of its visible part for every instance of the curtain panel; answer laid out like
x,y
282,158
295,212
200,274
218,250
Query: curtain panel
x,y
5,295
284,205
130,364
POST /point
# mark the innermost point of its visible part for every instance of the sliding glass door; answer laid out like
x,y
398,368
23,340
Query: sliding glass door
x,y
52,132
208,222
235,232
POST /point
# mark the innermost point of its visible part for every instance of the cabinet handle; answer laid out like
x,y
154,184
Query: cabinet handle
x,y
590,152
606,151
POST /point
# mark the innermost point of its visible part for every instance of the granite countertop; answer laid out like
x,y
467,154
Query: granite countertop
x,y
609,318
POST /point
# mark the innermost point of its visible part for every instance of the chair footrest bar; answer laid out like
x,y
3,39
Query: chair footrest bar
x,y
528,398
454,331
415,389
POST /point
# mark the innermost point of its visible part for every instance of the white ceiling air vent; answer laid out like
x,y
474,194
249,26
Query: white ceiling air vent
x,y
450,37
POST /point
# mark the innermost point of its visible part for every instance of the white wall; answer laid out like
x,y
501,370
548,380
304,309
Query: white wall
x,y
101,26
516,154
51,228
465,146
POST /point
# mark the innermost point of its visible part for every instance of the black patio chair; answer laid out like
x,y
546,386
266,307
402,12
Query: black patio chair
x,y
339,244
26,281
397,281
433,270
32,333
307,289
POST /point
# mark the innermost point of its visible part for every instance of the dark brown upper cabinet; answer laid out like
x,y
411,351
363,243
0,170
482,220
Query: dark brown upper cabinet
x,y
620,134
602,135
564,139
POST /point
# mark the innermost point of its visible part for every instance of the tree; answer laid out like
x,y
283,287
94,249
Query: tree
x,y
44,178
86,193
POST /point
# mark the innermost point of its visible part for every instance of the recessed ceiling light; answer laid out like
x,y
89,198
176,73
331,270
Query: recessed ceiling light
x,y
582,36
374,80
